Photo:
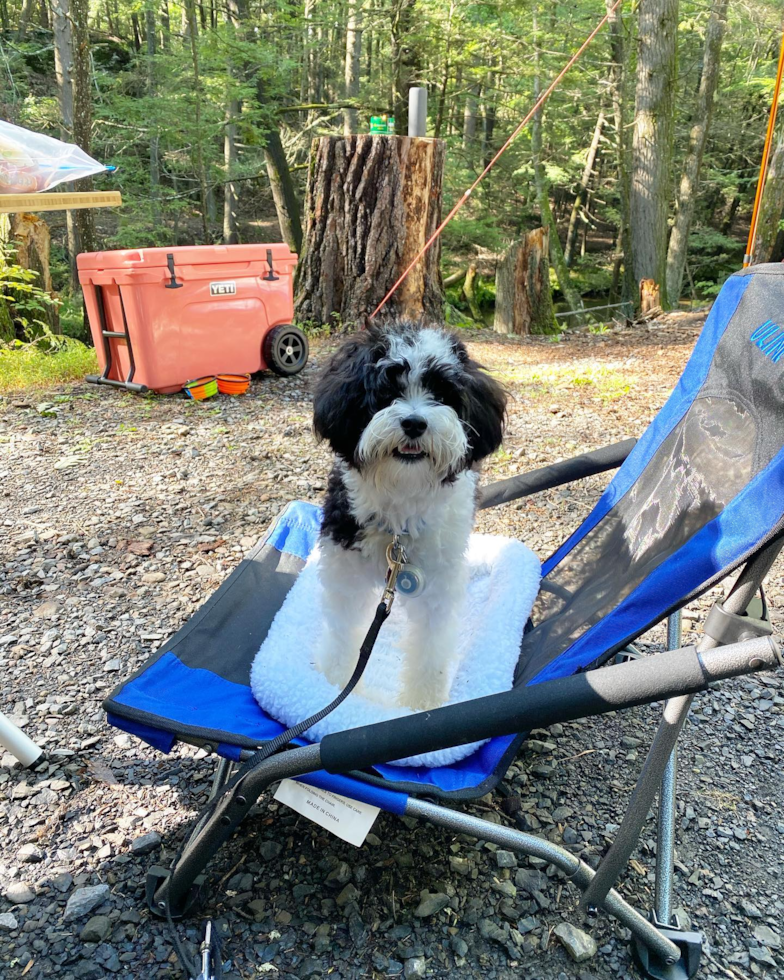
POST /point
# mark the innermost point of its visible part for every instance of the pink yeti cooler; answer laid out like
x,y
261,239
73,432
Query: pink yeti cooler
x,y
162,316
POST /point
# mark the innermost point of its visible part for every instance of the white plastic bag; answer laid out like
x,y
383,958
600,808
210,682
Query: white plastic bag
x,y
30,162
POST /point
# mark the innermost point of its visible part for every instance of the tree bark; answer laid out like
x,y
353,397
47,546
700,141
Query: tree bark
x,y
650,296
190,14
83,112
582,191
446,72
403,60
542,185
63,68
523,298
653,138
771,207
469,292
687,192
373,201
619,95
155,165
488,122
24,19
284,195
353,55
32,241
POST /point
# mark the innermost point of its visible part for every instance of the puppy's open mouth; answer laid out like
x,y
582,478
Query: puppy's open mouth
x,y
410,452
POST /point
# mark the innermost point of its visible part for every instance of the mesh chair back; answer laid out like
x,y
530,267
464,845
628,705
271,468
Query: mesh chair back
x,y
701,492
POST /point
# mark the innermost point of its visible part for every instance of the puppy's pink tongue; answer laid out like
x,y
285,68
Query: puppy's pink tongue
x,y
408,448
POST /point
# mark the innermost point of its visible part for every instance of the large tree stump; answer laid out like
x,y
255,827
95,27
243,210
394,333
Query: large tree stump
x,y
372,203
523,298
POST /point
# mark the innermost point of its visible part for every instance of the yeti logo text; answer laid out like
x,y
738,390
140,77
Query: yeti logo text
x,y
769,337
223,288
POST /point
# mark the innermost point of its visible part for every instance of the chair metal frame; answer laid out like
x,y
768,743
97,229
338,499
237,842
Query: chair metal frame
x,y
662,949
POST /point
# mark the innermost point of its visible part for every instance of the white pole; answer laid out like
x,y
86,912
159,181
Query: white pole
x,y
417,112
17,743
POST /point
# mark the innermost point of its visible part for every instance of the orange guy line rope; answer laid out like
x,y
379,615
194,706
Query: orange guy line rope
x,y
466,194
763,174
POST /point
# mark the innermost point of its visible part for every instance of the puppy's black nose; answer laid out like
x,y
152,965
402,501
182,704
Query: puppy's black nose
x,y
413,426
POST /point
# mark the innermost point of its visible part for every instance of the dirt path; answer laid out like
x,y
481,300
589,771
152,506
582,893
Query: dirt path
x,y
122,514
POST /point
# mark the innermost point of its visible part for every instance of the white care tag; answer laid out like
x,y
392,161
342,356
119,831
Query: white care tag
x,y
347,819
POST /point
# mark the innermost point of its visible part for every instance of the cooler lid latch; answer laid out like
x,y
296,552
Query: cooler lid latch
x,y
173,284
270,277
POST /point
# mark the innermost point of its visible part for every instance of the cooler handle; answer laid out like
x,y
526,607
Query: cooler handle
x,y
270,277
173,284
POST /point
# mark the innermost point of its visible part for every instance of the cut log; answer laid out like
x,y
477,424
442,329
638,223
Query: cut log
x,y
372,203
523,298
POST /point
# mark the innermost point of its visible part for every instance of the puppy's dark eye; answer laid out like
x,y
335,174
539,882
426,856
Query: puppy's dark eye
x,y
443,388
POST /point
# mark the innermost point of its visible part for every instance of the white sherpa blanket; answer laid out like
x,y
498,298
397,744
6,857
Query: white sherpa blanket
x,y
504,581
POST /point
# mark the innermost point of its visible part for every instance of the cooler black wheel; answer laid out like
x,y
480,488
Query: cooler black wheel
x,y
285,350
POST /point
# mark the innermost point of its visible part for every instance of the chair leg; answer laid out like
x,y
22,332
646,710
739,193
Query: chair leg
x,y
223,772
665,838
579,873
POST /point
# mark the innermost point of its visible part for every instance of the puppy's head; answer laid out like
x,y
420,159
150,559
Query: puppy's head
x,y
406,402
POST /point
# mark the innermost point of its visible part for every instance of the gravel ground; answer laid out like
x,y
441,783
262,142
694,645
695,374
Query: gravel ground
x,y
122,514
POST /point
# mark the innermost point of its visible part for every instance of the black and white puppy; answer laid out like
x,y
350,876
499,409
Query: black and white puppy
x,y
409,415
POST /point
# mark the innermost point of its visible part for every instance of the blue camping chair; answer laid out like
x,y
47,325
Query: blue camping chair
x,y
700,495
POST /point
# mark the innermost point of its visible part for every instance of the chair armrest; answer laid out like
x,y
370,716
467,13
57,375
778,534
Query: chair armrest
x,y
567,471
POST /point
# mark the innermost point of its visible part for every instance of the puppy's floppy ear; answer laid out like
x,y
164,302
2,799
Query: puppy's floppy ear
x,y
340,401
485,411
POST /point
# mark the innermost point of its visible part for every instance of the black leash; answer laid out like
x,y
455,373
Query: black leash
x,y
211,968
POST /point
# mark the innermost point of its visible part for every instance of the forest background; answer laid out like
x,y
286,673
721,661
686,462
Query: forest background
x,y
644,161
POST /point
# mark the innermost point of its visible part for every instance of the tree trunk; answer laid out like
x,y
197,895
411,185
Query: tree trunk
x,y
687,192
283,193
447,69
231,235
137,32
201,173
488,123
771,207
469,292
24,18
373,201
469,119
403,60
523,298
353,54
155,165
653,139
32,243
570,294
619,96
63,68
83,112
582,191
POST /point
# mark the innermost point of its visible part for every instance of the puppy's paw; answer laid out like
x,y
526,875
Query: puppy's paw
x,y
334,665
424,696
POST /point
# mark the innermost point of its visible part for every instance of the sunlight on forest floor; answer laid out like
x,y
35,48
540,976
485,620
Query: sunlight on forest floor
x,y
33,368
605,380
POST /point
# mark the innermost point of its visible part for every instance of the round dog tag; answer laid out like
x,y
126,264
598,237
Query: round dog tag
x,y
410,581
